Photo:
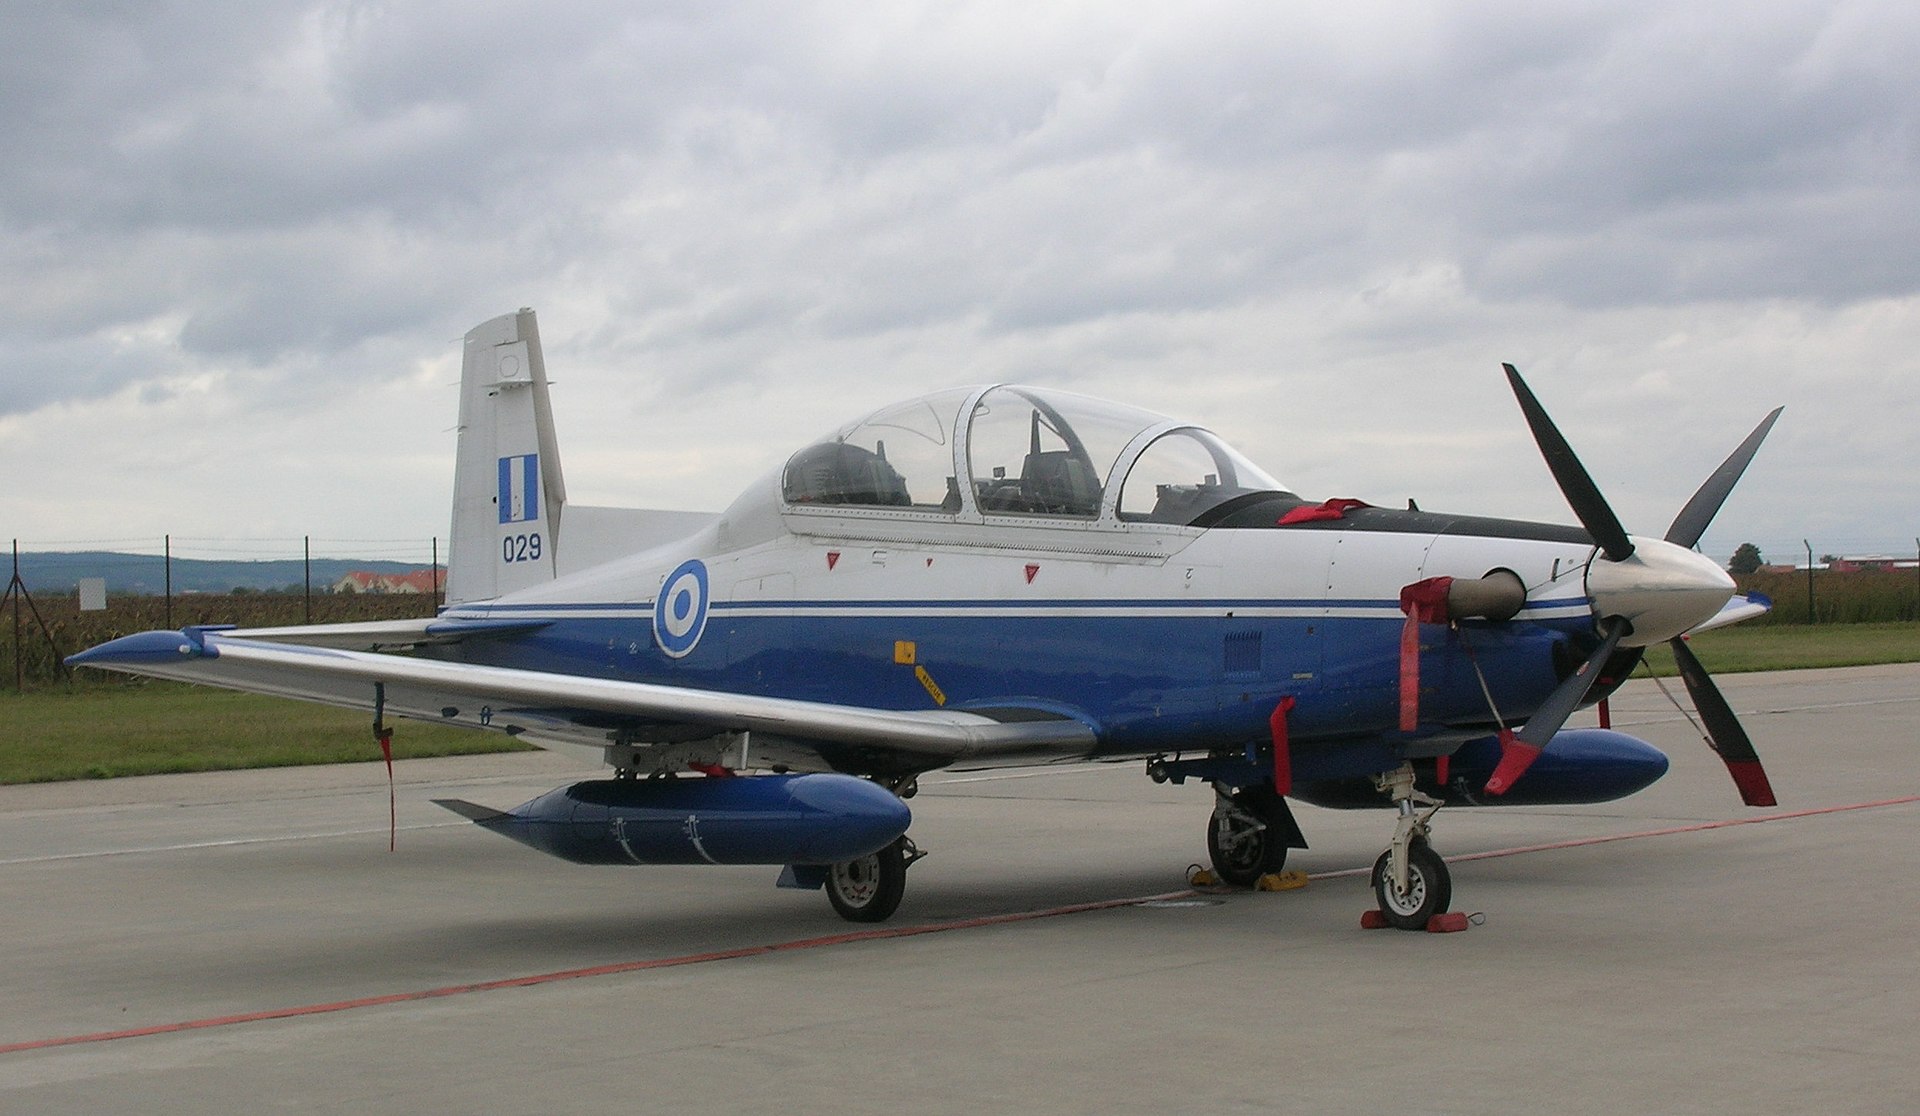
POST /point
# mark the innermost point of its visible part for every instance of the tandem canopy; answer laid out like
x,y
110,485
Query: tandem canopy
x,y
1023,452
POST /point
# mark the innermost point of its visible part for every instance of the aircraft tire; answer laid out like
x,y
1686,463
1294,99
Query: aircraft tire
x,y
1244,859
869,889
1429,888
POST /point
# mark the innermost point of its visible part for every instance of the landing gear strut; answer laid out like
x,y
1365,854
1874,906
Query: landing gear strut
x,y
1410,881
1249,833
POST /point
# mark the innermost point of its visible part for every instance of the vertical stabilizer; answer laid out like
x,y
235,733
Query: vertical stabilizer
x,y
507,491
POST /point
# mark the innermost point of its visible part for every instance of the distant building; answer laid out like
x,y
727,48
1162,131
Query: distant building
x,y
1869,562
1857,564
426,580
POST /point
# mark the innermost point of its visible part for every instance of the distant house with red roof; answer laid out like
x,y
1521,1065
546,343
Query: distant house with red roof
x,y
426,580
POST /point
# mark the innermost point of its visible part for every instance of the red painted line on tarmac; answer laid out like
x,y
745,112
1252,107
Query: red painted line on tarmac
x,y
876,934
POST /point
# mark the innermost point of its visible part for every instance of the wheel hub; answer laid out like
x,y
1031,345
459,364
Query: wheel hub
x,y
856,880
1409,900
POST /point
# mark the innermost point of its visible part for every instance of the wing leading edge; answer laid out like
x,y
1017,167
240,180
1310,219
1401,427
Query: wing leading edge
x,y
572,708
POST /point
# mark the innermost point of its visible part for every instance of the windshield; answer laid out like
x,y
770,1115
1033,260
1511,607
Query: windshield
x,y
1185,473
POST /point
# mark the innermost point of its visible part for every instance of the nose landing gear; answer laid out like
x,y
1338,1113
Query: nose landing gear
x,y
1410,881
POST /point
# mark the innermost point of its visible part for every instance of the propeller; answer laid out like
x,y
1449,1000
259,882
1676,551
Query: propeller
x,y
1575,483
1639,576
1692,521
1724,733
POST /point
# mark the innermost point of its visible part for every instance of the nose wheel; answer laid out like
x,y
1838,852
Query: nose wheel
x,y
1410,881
1427,892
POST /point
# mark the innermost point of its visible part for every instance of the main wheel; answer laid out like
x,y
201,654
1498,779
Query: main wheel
x,y
1242,852
1429,888
869,888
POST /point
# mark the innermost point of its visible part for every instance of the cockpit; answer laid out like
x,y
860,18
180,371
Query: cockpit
x,y
1025,454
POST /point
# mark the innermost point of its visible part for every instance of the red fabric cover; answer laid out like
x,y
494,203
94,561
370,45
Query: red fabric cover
x,y
1751,778
1515,757
1423,602
1332,509
1282,753
384,736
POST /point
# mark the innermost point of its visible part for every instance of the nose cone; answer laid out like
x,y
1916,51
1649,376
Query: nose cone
x,y
1661,589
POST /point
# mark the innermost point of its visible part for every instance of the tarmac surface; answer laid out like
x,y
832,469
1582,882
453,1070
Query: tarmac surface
x,y
245,942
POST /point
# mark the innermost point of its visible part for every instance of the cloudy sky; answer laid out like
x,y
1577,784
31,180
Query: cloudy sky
x,y
239,244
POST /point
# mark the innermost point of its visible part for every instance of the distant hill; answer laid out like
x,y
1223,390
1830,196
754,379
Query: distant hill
x,y
59,572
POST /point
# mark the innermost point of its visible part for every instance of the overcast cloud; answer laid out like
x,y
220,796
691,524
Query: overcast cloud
x,y
239,244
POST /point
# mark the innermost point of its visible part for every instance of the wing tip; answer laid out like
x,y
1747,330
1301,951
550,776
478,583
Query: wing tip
x,y
472,811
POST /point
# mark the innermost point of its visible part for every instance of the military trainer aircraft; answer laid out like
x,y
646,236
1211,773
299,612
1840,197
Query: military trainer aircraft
x,y
1005,575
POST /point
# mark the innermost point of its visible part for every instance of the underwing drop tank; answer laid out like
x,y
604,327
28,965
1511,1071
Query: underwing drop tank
x,y
760,819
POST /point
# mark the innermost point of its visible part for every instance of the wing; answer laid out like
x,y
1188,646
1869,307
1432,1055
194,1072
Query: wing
x,y
546,707
1742,606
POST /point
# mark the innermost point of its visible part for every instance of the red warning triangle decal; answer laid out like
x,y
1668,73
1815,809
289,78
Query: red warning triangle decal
x,y
833,558
1031,570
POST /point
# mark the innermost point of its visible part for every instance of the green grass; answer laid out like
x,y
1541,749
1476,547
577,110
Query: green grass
x,y
100,732
1748,647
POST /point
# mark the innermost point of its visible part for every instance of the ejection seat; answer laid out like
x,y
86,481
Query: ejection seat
x,y
840,473
1060,482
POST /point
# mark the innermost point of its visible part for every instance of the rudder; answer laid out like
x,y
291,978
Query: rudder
x,y
508,494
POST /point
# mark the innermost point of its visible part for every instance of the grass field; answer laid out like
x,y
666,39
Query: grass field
x,y
100,731
1750,647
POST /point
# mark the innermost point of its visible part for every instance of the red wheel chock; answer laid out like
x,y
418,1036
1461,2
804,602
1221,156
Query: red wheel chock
x,y
1451,922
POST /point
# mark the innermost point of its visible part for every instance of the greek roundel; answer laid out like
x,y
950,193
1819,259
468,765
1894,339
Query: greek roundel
x,y
680,610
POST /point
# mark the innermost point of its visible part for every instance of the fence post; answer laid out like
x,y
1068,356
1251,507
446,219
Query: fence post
x,y
167,551
13,590
1809,546
306,565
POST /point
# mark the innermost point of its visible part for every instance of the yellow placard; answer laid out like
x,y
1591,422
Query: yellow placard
x,y
933,690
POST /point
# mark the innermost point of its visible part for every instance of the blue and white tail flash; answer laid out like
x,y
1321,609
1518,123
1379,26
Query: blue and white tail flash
x,y
520,488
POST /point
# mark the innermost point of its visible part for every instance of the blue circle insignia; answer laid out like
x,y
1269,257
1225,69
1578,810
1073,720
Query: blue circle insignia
x,y
680,609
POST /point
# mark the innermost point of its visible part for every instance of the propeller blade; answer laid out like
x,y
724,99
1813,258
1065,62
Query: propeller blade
x,y
1692,521
1723,729
1578,487
1519,750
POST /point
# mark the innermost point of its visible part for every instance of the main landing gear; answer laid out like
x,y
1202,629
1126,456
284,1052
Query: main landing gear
x,y
1249,833
1252,826
870,888
1410,881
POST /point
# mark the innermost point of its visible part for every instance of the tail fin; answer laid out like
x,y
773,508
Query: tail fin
x,y
508,495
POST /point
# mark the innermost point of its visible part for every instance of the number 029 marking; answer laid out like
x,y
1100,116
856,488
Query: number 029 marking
x,y
520,548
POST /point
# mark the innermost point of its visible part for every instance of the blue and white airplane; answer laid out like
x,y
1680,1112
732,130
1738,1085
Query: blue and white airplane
x,y
1004,575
